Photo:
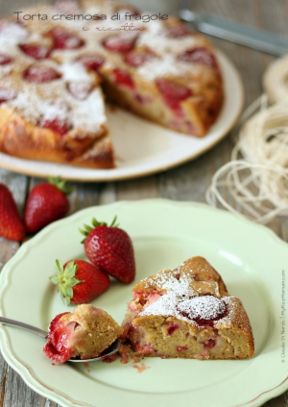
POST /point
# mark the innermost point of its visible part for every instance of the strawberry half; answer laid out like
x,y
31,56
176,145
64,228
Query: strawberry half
x,y
64,39
56,347
120,43
11,225
36,51
111,249
79,282
123,78
38,73
59,126
198,55
46,203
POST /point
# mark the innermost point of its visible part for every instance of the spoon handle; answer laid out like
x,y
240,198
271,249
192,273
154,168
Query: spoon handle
x,y
35,330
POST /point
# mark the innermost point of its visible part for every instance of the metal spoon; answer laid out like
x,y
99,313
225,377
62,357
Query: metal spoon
x,y
43,334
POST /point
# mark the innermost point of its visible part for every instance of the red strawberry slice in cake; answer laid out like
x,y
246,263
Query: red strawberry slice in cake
x,y
178,31
59,126
198,55
138,58
173,93
36,51
7,94
123,78
120,43
92,62
64,39
40,73
5,59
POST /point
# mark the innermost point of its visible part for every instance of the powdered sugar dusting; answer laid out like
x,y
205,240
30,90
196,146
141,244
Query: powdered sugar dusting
x,y
189,309
181,300
11,34
38,110
167,49
204,307
89,114
167,66
75,72
85,115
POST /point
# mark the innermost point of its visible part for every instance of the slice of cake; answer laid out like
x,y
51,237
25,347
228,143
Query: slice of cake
x,y
187,313
84,333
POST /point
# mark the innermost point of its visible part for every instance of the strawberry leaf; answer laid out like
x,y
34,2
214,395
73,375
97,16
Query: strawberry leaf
x,y
61,184
65,279
87,229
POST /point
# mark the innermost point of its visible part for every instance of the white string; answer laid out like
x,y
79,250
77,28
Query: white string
x,y
255,182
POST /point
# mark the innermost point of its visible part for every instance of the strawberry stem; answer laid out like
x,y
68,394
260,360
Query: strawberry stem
x,y
61,184
87,229
65,279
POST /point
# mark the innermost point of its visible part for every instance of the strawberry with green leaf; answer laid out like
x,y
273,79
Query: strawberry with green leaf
x,y
11,225
111,249
46,203
79,282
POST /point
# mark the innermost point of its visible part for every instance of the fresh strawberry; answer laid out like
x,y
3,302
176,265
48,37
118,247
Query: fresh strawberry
x,y
111,249
11,225
80,282
46,203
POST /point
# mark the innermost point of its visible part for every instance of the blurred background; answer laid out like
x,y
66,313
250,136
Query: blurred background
x,y
265,14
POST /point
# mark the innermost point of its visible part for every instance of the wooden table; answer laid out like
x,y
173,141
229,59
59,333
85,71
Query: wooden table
x,y
186,183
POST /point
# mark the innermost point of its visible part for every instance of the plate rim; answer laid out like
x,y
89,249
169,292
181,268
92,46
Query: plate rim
x,y
21,169
41,388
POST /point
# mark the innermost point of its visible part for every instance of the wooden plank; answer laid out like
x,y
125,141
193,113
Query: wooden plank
x,y
18,186
138,189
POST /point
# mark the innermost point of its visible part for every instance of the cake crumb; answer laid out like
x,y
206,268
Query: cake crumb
x,y
140,367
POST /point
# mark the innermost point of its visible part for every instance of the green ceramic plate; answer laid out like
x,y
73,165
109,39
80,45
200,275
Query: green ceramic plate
x,y
251,259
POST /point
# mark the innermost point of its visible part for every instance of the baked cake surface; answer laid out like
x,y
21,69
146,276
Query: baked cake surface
x,y
188,313
53,74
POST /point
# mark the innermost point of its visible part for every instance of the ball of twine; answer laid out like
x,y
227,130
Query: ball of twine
x,y
255,182
275,80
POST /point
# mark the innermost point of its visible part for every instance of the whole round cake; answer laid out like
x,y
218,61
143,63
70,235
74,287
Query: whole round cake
x,y
56,73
